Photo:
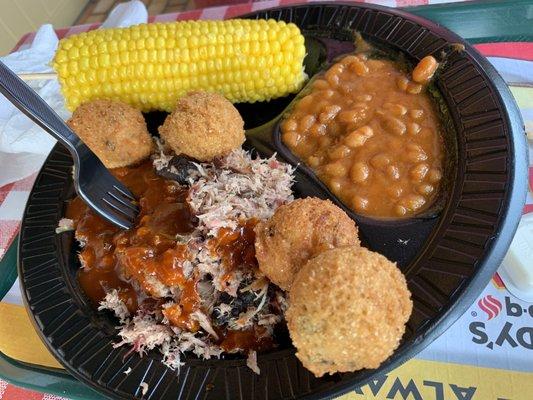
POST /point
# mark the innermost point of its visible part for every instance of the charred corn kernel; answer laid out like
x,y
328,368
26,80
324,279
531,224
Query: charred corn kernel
x,y
151,65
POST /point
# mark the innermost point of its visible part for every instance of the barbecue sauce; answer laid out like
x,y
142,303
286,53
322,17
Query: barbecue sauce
x,y
112,258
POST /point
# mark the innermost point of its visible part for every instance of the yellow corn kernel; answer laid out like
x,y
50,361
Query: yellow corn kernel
x,y
150,66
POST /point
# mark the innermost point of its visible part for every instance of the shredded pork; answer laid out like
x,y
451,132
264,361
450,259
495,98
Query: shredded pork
x,y
65,225
251,362
144,388
113,302
221,195
243,188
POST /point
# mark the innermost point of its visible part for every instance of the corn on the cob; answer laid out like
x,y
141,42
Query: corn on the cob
x,y
150,66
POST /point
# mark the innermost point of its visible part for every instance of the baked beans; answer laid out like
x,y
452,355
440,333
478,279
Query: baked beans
x,y
425,69
372,134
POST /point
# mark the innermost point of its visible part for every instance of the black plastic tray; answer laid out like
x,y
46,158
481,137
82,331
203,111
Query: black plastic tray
x,y
453,259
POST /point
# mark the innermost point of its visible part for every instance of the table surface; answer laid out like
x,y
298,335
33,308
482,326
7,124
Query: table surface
x,y
498,22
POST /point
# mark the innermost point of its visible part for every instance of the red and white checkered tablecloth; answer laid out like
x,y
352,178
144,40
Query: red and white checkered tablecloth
x,y
14,195
10,392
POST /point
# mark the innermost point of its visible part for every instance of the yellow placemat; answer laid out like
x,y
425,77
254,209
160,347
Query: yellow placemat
x,y
19,340
421,380
415,380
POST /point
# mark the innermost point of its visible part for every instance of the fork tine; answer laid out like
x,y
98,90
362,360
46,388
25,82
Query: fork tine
x,y
119,208
125,203
106,195
124,192
106,210
116,218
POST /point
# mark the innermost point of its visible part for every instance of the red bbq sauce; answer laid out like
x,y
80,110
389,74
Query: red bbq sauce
x,y
112,256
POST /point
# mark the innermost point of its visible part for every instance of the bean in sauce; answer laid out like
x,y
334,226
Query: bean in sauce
x,y
372,134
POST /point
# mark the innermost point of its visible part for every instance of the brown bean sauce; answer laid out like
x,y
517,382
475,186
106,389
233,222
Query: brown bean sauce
x,y
372,135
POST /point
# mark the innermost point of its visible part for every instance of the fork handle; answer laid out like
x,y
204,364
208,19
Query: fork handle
x,y
31,104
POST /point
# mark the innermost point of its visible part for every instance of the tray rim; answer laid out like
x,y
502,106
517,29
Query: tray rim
x,y
493,256
417,11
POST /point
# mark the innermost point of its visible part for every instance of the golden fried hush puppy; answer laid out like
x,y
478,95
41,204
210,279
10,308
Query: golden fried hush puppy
x,y
347,310
203,126
297,232
114,131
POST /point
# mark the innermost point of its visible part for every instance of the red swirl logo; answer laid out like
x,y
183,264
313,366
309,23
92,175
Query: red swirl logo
x,y
490,305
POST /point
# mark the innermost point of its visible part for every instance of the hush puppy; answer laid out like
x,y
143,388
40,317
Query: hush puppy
x,y
203,126
297,232
114,131
347,310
